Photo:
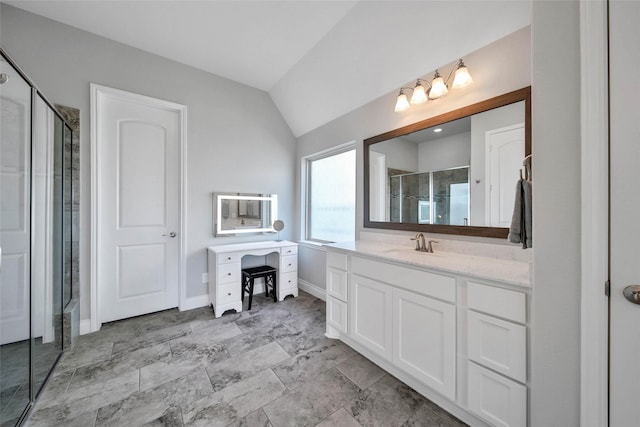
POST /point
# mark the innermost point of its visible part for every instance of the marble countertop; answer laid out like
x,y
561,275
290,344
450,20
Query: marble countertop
x,y
503,270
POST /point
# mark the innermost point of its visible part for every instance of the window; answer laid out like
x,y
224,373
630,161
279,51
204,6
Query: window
x,y
331,197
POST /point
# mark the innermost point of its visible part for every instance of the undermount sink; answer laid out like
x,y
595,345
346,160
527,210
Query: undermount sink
x,y
406,252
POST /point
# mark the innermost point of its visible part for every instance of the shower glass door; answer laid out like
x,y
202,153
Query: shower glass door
x,y
15,237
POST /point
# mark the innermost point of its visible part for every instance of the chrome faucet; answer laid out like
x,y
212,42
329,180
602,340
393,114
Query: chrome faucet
x,y
421,246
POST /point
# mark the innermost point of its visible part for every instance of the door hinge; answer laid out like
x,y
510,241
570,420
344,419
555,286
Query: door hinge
x,y
607,288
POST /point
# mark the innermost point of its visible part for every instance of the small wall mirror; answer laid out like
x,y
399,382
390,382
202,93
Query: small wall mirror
x,y
455,173
244,213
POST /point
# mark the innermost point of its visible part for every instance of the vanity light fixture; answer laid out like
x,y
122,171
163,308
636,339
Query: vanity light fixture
x,y
437,88
402,103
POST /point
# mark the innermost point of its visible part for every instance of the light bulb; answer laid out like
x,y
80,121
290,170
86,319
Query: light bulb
x,y
462,78
402,103
419,94
438,88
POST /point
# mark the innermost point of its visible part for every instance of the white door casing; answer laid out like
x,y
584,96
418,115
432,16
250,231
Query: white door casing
x,y
138,201
378,210
504,155
624,338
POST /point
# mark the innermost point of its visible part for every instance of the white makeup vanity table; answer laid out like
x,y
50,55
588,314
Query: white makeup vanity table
x,y
225,271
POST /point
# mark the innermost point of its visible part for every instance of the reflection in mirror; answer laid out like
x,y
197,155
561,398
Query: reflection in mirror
x,y
455,173
15,237
242,213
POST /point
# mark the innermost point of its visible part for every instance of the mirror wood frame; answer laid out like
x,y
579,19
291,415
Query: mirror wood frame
x,y
523,94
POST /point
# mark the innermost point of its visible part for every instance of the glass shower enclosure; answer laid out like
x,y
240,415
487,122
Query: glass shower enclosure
x,y
35,234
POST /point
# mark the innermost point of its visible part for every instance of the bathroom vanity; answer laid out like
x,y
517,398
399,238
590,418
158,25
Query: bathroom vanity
x,y
225,271
453,326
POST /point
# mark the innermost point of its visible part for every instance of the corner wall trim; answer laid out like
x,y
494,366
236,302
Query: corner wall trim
x,y
314,290
595,245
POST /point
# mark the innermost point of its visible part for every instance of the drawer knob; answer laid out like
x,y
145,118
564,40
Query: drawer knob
x,y
228,274
289,281
229,294
289,265
228,258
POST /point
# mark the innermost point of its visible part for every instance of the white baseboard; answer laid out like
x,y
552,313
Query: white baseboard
x,y
195,302
85,326
314,290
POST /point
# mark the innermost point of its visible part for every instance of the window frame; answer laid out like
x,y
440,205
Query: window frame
x,y
306,187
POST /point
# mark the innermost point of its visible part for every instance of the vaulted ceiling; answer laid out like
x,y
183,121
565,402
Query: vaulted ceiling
x,y
317,59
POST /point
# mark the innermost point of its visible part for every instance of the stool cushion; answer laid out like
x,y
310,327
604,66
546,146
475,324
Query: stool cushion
x,y
263,269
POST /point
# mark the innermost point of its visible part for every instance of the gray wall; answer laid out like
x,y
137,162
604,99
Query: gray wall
x,y
445,153
399,154
555,314
237,139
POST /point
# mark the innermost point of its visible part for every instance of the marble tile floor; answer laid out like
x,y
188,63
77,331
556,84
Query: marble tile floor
x,y
271,366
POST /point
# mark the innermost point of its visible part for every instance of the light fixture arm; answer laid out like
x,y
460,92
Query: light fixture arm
x,y
454,68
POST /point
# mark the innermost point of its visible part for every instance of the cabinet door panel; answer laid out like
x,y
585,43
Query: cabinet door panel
x,y
337,314
337,283
370,322
498,344
424,340
499,400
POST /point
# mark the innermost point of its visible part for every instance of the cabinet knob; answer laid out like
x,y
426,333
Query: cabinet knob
x,y
228,274
289,265
229,294
228,258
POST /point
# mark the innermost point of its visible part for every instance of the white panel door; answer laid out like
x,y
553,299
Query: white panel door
x,y
15,161
505,152
424,333
370,321
624,57
139,181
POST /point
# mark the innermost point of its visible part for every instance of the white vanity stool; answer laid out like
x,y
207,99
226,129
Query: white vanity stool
x,y
225,271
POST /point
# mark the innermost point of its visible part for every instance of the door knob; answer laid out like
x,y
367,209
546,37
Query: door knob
x,y
172,234
632,293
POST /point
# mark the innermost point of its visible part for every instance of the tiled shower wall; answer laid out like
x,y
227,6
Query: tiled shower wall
x,y
71,319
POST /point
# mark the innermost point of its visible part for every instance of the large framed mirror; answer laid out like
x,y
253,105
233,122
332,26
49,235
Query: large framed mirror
x,y
455,173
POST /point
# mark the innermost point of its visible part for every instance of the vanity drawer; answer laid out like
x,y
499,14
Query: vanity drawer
x,y
337,314
289,250
337,260
288,280
288,263
498,344
229,273
510,305
228,293
337,283
499,400
228,258
423,282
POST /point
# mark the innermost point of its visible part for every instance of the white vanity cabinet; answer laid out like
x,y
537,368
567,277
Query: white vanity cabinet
x,y
225,271
497,352
460,342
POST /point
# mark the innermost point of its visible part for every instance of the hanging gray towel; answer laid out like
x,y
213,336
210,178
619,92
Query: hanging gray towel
x,y
528,214
521,222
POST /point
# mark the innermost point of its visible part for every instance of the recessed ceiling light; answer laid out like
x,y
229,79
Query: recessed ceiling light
x,y
436,130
